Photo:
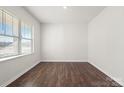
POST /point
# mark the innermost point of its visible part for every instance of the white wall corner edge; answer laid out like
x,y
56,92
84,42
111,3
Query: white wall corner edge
x,y
20,74
64,60
115,79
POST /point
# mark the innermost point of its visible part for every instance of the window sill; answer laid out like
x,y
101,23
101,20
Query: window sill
x,y
13,57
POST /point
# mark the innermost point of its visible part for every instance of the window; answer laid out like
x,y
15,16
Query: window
x,y
26,40
15,36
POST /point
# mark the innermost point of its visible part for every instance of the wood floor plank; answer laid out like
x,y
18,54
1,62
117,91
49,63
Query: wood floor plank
x,y
70,74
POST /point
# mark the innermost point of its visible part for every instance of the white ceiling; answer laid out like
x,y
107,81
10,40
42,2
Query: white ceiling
x,y
57,14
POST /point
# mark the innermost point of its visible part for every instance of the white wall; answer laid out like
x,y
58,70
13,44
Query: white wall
x,y
64,42
10,69
106,42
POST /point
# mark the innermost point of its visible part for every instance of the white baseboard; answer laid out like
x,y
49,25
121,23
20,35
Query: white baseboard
x,y
64,61
20,74
115,79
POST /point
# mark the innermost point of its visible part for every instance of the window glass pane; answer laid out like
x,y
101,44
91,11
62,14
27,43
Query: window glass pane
x,y
25,46
1,31
22,29
15,26
8,24
3,22
26,31
8,46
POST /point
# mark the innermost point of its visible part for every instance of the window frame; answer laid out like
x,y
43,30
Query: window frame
x,y
18,37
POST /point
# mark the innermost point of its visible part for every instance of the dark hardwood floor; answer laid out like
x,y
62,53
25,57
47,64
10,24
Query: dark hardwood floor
x,y
64,75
